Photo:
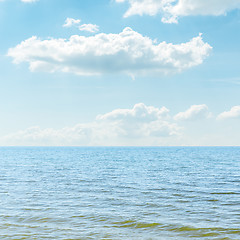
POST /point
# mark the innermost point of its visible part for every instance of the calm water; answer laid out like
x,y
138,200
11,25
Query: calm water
x,y
120,193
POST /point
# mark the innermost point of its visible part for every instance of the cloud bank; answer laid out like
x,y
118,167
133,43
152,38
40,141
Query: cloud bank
x,y
171,10
141,125
127,52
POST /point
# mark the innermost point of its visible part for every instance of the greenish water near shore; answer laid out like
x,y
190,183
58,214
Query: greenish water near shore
x,y
120,193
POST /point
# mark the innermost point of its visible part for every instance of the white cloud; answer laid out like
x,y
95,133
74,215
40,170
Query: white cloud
x,y
25,1
140,112
195,112
148,7
89,27
233,113
140,125
137,7
127,52
141,120
69,22
172,9
29,1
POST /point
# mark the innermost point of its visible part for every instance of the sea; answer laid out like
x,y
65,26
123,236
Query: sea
x,y
119,193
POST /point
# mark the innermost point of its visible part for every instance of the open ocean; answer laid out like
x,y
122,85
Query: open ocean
x,y
120,193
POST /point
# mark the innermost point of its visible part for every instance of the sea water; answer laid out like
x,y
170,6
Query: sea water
x,y
120,193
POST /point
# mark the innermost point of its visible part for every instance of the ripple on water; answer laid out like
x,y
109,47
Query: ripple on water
x,y
119,193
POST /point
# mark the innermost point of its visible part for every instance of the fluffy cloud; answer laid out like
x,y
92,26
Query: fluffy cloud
x,y
69,22
127,52
137,126
233,113
25,1
172,9
140,112
92,28
140,125
195,112
140,121
29,1
149,7
89,27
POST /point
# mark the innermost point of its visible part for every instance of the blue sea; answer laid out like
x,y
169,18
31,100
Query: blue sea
x,y
120,193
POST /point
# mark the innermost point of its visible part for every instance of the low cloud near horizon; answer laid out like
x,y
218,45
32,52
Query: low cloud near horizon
x,y
138,126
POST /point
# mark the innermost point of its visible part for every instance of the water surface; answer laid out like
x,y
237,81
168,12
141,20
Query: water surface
x,y
120,193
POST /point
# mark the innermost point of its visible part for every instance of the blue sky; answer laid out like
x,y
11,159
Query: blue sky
x,y
115,72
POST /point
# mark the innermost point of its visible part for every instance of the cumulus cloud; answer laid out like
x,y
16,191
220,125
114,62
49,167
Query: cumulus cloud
x,y
137,126
69,22
141,120
233,113
25,1
195,112
29,1
148,7
127,52
172,9
140,112
89,27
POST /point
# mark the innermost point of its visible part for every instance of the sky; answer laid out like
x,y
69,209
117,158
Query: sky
x,y
120,73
